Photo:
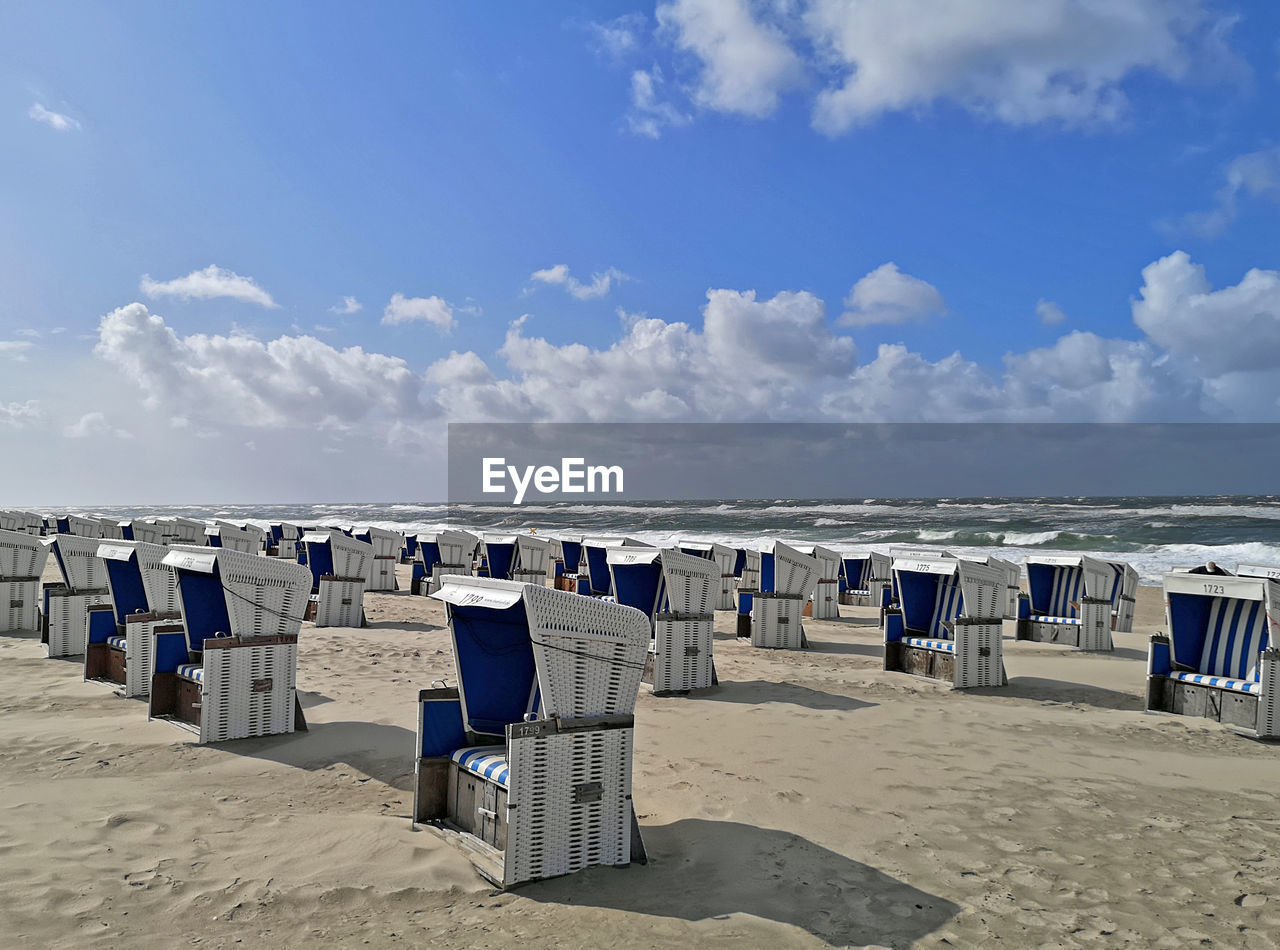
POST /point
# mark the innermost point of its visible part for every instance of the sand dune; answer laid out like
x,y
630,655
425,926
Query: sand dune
x,y
812,799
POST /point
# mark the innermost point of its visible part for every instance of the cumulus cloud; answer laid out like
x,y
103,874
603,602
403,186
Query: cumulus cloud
x,y
1255,175
619,37
651,113
1049,313
432,310
94,424
17,415
348,305
746,63
888,296
209,284
15,349
601,283
288,381
55,120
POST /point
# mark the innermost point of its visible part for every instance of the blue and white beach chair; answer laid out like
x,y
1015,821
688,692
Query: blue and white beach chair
x,y
865,579
826,592
387,545
22,560
245,538
282,540
66,604
1219,659
948,622
231,672
674,590
532,560
529,758
22,522
787,581
339,566
1069,601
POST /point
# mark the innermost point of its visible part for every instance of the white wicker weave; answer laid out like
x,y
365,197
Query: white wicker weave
x,y
1269,699
23,522
750,577
533,555
19,604
682,655
84,527
794,574
340,602
139,654
775,622
979,653
382,573
68,619
82,569
22,555
725,559
386,543
248,690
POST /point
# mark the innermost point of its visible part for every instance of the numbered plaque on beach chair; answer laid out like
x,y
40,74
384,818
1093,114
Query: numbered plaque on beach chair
x,y
948,622
675,591
231,672
1069,601
528,759
64,626
22,560
1218,659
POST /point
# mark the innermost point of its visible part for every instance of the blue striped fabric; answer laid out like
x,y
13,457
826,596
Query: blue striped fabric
x,y
1067,584
948,646
1236,635
1222,682
1042,618
117,642
487,761
947,605
191,671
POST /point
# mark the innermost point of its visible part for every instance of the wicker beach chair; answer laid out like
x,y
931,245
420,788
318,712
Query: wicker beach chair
x,y
66,603
532,559
22,522
569,572
22,560
79,525
497,554
825,599
245,538
231,672
457,553
282,540
387,545
144,601
676,592
528,761
948,623
339,567
1219,659
595,564
866,579
1069,601
787,581
1012,584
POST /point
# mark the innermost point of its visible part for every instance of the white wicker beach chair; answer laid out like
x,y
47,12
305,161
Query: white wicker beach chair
x,y
66,604
282,540
826,593
866,577
22,560
245,538
497,554
457,551
1124,594
111,529
1219,659
788,579
948,623
725,559
231,673
22,522
144,602
595,563
528,760
79,525
182,531
676,592
387,545
339,567
532,559
1012,586
1069,601
569,572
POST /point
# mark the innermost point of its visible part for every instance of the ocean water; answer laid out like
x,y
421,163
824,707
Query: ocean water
x,y
1152,534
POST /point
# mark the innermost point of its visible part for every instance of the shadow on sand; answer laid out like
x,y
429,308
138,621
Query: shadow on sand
x,y
379,751
1043,689
405,625
856,649
700,869
756,692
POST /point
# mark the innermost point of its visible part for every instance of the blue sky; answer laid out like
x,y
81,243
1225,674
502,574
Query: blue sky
x,y
688,210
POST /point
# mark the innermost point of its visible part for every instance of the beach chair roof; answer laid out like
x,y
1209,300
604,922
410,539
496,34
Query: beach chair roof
x,y
1271,572
77,558
1220,585
21,554
235,593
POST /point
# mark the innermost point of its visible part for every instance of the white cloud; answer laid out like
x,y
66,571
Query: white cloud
x,y
20,414
601,283
30,334
1049,312
15,349
1254,175
55,120
432,310
650,114
746,64
618,37
348,305
288,381
888,296
94,424
209,284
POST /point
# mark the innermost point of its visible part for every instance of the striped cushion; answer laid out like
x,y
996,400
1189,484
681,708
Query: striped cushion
x,y
116,642
1237,633
947,605
191,671
1222,682
1068,585
948,646
1041,618
487,761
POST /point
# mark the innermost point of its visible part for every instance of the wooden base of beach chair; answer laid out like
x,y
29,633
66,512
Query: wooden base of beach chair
x,y
1202,702
19,603
1091,630
104,663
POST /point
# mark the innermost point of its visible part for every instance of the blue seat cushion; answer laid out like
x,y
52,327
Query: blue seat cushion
x,y
1045,618
487,761
117,643
947,646
191,671
1222,682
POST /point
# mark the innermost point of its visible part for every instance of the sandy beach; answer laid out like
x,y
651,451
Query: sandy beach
x,y
811,799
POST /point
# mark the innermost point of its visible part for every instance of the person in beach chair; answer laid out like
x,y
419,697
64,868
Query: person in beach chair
x,y
787,581
339,567
1210,567
1218,659
674,591
144,602
1069,601
66,604
528,759
22,560
949,621
231,672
